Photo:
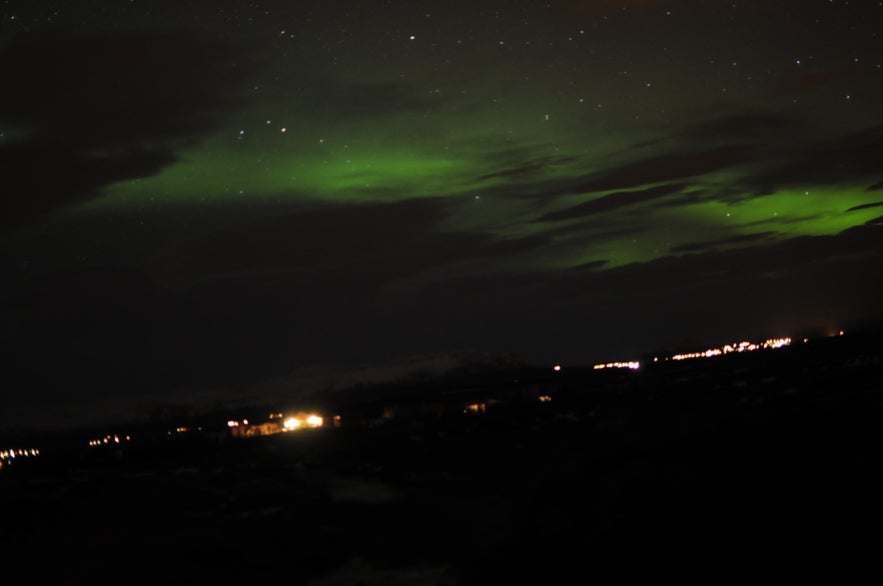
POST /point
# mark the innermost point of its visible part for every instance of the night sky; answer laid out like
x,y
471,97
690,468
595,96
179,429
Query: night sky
x,y
199,196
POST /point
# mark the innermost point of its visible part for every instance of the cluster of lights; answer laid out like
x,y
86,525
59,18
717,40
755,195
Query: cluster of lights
x,y
290,423
302,421
771,344
9,455
632,365
184,429
110,439
475,408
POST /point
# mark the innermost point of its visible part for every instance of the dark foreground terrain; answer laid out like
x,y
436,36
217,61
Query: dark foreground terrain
x,y
764,465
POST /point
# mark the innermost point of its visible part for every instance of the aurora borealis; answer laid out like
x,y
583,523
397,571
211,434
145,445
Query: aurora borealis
x,y
208,194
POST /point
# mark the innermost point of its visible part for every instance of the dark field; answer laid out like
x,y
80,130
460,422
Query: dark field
x,y
763,465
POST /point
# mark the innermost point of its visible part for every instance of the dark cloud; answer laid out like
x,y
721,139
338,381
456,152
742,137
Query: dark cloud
x,y
624,311
865,206
691,197
82,328
40,176
789,152
644,171
712,244
528,169
591,265
590,230
611,202
369,244
669,167
846,159
778,221
86,112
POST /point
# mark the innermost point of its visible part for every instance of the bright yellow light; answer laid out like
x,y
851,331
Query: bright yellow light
x,y
302,420
633,365
772,343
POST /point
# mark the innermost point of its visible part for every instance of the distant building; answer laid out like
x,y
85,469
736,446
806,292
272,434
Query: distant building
x,y
256,429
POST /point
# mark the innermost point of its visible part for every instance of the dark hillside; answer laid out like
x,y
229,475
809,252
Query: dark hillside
x,y
739,462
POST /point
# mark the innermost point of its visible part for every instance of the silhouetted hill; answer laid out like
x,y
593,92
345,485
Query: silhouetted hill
x,y
758,462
